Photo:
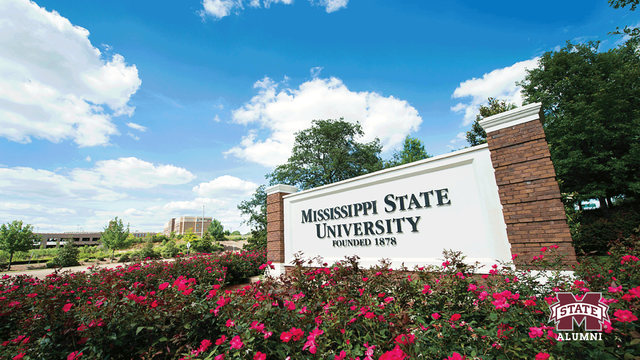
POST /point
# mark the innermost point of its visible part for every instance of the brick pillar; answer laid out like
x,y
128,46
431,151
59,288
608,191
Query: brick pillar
x,y
275,225
529,192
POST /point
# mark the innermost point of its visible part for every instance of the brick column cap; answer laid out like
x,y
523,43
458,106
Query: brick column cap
x,y
280,188
513,117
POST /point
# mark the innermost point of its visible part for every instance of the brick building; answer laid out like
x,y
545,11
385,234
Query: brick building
x,y
181,225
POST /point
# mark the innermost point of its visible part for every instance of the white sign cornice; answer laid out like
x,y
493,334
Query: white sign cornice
x,y
513,117
287,189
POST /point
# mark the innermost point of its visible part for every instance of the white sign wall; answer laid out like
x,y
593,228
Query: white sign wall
x,y
407,214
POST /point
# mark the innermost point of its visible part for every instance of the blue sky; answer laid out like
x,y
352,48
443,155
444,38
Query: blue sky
x,y
150,110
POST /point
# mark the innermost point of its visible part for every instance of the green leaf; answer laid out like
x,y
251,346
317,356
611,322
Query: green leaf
x,y
493,316
140,328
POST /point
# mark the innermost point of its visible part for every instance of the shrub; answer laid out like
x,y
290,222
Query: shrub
x,y
124,258
170,250
148,252
67,255
178,309
201,246
598,229
257,241
159,238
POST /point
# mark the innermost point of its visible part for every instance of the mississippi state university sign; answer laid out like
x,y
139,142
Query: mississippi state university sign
x,y
408,214
488,202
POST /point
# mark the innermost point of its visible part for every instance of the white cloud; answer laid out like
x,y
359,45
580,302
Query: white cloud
x,y
224,186
23,182
38,208
460,137
134,137
193,205
221,8
136,126
132,173
331,5
96,183
216,118
131,212
88,158
284,112
315,71
54,84
499,83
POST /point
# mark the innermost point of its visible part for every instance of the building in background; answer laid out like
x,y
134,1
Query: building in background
x,y
169,227
79,238
142,234
181,225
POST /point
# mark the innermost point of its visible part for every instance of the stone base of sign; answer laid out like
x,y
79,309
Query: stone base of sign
x,y
529,192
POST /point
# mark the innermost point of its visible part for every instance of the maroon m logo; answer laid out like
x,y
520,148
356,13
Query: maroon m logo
x,y
569,309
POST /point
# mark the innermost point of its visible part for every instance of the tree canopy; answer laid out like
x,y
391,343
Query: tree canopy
x,y
114,236
412,150
634,31
256,210
591,102
14,237
216,230
477,135
326,153
622,3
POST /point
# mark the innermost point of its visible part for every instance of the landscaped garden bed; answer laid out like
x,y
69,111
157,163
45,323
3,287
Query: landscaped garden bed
x,y
181,310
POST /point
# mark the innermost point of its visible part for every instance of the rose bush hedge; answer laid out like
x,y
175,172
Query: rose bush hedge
x,y
318,311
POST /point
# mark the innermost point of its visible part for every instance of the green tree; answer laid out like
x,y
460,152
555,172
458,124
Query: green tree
x,y
477,135
256,210
633,32
412,150
328,152
591,102
204,245
189,236
67,255
156,238
622,3
14,237
216,230
115,237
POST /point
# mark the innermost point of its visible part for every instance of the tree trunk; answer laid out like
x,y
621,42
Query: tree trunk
x,y
10,258
113,251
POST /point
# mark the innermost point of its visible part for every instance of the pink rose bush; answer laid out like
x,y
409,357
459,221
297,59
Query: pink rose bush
x,y
340,311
